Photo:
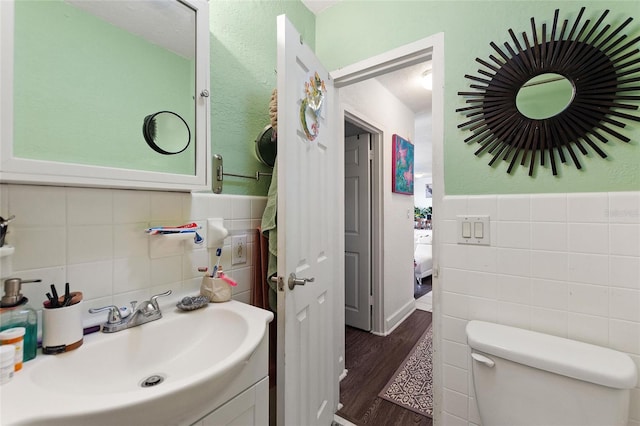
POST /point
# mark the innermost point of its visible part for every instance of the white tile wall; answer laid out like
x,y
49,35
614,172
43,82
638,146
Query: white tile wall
x,y
562,264
95,240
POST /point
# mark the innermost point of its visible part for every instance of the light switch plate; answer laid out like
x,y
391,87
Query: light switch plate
x,y
473,229
238,249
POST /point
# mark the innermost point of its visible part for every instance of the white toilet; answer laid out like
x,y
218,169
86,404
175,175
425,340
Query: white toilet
x,y
523,377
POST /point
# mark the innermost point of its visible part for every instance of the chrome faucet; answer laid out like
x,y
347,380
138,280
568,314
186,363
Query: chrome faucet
x,y
146,311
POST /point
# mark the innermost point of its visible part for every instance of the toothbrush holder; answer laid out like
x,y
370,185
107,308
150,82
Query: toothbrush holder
x,y
216,289
62,329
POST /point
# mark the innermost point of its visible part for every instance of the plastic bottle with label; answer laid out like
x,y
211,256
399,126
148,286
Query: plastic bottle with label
x,y
15,311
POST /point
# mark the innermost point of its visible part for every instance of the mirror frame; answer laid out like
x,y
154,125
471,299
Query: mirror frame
x,y
27,171
599,62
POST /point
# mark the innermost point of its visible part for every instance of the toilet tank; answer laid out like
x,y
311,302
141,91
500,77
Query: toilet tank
x,y
522,377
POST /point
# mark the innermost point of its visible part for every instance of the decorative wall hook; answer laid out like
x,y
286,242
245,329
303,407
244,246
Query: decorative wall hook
x,y
311,104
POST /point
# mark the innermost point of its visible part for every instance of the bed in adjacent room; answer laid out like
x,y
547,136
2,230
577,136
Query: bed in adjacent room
x,y
422,253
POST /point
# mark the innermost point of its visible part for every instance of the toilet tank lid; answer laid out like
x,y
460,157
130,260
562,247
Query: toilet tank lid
x,y
579,360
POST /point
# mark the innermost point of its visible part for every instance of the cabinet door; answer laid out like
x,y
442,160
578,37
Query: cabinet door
x,y
250,408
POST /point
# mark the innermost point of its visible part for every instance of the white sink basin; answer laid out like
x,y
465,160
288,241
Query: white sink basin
x,y
196,354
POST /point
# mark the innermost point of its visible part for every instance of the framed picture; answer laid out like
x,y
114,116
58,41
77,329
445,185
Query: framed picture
x,y
402,166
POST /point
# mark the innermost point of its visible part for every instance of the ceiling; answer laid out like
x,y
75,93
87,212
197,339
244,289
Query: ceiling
x,y
317,6
170,25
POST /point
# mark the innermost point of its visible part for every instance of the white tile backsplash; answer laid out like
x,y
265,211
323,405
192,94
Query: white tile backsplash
x,y
625,336
588,237
624,239
94,239
89,243
551,236
89,206
624,207
550,321
549,208
624,272
514,234
549,294
455,378
549,264
37,206
513,261
513,208
514,288
131,206
589,329
588,207
589,268
566,265
624,304
589,299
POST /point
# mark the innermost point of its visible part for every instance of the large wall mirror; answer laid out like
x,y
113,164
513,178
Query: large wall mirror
x,y
81,78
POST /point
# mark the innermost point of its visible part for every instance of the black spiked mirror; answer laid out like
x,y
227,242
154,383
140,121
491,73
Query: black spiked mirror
x,y
592,74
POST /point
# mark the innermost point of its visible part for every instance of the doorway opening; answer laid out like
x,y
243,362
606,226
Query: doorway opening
x,y
415,54
363,205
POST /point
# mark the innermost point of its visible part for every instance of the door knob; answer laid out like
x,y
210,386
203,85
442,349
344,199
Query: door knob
x,y
294,281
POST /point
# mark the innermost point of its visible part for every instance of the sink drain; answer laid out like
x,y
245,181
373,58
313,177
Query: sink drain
x,y
152,380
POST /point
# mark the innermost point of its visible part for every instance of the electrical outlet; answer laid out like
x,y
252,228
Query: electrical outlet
x,y
238,249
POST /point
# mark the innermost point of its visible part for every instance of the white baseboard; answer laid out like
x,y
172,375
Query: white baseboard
x,y
398,317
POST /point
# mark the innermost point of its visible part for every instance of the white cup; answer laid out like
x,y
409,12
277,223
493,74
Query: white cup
x,y
62,329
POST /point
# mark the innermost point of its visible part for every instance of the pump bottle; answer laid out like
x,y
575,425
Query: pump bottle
x,y
16,312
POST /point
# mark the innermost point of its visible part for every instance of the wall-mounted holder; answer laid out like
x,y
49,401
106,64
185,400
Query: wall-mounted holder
x,y
218,166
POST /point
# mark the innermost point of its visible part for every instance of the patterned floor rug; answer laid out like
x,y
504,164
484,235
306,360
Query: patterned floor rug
x,y
411,386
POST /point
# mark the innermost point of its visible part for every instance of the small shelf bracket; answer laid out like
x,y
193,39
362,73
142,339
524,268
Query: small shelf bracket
x,y
218,167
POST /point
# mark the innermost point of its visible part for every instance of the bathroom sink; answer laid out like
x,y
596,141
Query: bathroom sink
x,y
162,372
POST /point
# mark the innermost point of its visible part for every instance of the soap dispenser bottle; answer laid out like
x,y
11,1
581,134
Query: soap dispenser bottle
x,y
16,312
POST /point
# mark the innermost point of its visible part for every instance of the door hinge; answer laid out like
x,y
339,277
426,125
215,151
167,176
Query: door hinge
x,y
370,154
371,300
436,271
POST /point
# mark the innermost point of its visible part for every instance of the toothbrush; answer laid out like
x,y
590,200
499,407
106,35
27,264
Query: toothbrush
x,y
226,279
215,268
190,227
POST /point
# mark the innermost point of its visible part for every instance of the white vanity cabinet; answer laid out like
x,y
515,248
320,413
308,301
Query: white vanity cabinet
x,y
251,407
245,402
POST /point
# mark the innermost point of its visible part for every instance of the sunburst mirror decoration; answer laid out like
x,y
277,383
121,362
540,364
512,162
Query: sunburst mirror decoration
x,y
592,74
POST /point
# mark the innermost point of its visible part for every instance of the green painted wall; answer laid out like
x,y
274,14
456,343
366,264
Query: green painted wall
x,y
366,28
243,64
72,103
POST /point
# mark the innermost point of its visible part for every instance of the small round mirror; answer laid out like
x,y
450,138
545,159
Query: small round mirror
x,y
267,146
166,132
545,96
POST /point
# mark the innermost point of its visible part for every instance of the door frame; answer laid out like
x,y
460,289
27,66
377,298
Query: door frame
x,y
432,48
349,113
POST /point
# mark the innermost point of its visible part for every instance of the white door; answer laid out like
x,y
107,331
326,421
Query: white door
x,y
309,175
357,232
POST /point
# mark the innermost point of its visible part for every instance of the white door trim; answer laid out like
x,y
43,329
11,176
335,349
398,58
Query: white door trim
x,y
431,47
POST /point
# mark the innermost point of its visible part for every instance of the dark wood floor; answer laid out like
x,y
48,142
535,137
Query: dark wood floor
x,y
420,290
371,361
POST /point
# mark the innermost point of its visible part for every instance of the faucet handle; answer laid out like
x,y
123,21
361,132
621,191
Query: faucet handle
x,y
114,313
154,299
